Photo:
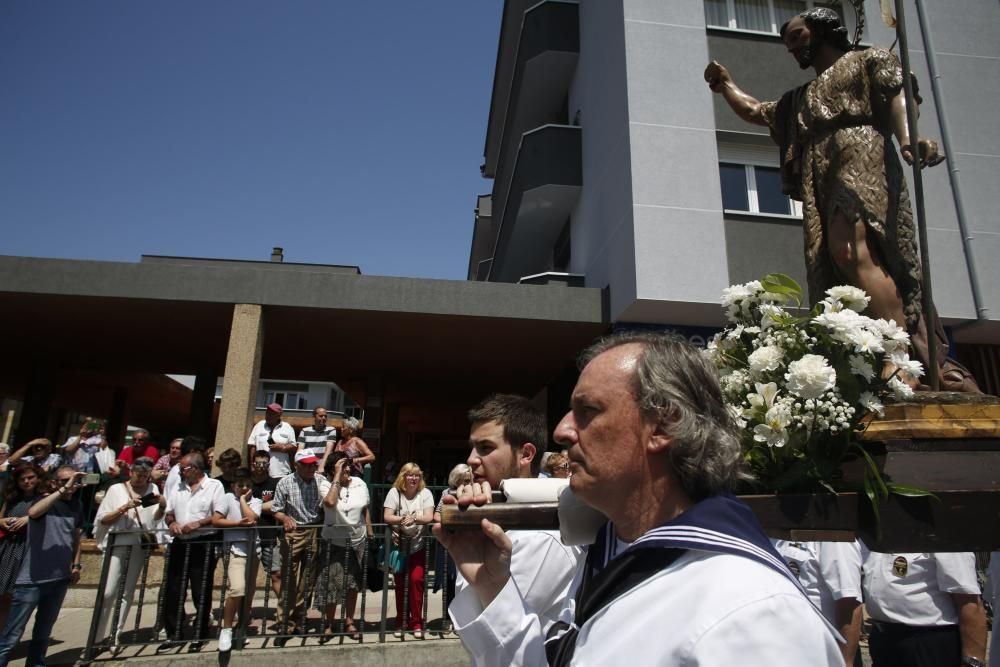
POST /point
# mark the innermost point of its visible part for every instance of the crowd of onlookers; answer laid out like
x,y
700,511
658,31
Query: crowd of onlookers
x,y
301,493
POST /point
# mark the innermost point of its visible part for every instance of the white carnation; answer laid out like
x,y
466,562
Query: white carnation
x,y
849,297
842,324
765,359
811,376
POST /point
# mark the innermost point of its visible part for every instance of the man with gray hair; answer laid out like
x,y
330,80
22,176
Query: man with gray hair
x,y
651,447
191,556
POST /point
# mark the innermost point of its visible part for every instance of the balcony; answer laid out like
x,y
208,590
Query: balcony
x,y
540,66
544,187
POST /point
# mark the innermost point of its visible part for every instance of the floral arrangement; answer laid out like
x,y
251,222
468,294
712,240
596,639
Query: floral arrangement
x,y
800,387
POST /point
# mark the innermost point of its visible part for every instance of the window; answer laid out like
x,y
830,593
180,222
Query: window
x,y
754,189
766,16
289,400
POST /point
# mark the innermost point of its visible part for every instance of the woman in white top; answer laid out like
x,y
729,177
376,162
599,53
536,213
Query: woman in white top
x,y
408,509
128,508
346,526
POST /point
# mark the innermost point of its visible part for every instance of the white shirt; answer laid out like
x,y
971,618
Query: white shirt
x,y
188,506
136,519
704,609
283,434
915,589
173,481
828,571
105,459
993,579
403,506
543,569
345,521
235,538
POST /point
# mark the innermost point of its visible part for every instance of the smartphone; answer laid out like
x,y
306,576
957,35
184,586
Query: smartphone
x,y
92,426
91,478
150,500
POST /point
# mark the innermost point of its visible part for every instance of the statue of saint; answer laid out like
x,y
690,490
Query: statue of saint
x,y
837,158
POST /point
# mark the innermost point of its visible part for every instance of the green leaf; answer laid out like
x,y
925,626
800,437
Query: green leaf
x,y
779,283
909,491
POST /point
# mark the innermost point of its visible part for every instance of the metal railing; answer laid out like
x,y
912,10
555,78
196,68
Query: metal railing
x,y
189,604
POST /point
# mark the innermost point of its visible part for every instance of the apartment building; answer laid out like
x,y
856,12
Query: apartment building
x,y
613,165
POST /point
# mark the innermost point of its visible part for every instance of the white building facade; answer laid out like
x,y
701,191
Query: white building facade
x,y
614,166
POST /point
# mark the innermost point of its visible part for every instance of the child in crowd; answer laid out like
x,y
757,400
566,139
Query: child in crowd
x,y
240,509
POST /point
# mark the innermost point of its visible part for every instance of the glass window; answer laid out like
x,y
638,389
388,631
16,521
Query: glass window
x,y
717,13
784,10
770,198
766,15
753,15
733,178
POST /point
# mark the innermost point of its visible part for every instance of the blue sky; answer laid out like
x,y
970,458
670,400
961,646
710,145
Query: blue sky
x,y
346,132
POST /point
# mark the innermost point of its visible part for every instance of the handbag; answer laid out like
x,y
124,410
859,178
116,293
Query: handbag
x,y
375,578
396,559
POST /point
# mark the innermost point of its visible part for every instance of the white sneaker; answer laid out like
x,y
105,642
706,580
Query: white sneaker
x,y
225,639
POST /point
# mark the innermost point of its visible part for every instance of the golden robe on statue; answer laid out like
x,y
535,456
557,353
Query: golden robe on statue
x,y
836,145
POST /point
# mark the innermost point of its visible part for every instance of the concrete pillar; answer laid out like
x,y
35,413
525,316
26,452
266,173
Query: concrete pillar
x,y
34,422
203,404
118,418
239,388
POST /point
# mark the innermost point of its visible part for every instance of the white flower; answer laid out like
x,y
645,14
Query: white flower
x,y
870,402
737,416
861,368
735,384
764,398
737,293
773,430
770,315
865,341
841,324
900,389
849,297
764,359
811,376
894,336
902,361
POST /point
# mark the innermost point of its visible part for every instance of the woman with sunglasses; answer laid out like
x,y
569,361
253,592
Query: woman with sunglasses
x,y
21,492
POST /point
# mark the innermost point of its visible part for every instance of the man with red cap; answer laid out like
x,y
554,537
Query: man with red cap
x,y
296,504
276,437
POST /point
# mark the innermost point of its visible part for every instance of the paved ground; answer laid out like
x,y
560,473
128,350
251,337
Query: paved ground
x,y
69,637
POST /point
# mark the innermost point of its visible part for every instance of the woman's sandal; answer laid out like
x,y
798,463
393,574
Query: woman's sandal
x,y
352,631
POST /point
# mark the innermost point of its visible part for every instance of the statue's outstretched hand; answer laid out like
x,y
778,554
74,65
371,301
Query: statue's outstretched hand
x,y
716,75
929,155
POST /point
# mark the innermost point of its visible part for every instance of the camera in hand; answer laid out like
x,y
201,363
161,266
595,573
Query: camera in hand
x,y
270,439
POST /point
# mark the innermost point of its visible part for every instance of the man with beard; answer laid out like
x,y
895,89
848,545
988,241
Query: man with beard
x,y
507,439
837,158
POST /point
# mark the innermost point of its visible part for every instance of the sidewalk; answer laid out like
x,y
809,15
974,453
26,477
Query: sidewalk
x,y
69,638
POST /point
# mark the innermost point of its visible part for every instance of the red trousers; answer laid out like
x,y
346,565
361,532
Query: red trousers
x,y
415,566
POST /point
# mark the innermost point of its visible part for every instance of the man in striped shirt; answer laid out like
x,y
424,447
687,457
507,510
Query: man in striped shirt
x,y
315,437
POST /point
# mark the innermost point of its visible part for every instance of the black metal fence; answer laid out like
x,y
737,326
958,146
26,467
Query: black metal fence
x,y
290,606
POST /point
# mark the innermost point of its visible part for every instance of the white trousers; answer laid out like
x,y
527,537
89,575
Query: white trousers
x,y
119,555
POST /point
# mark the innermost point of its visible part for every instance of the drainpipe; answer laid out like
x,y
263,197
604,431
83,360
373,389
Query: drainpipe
x,y
956,190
